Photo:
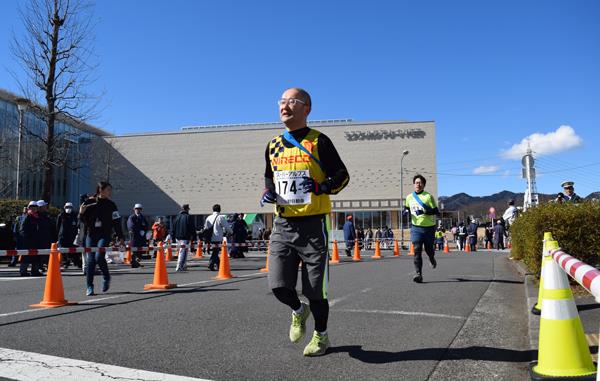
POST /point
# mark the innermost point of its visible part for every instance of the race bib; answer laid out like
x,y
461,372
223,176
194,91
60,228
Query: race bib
x,y
287,187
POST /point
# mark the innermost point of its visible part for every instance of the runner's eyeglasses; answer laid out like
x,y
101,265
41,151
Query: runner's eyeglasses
x,y
290,101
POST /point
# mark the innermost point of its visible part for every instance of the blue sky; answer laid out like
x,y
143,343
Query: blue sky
x,y
490,73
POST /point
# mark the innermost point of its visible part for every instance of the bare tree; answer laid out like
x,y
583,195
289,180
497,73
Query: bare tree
x,y
55,54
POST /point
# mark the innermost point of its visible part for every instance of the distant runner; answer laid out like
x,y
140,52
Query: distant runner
x,y
302,169
423,209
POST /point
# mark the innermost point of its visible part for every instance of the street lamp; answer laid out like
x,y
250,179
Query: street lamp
x,y
404,153
22,105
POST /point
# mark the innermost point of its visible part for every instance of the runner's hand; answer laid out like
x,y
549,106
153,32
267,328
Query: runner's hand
x,y
268,197
311,185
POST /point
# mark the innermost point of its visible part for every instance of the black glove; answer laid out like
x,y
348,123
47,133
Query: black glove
x,y
311,185
268,197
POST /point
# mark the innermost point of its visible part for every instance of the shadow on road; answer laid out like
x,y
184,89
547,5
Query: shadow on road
x,y
456,280
437,354
144,296
586,307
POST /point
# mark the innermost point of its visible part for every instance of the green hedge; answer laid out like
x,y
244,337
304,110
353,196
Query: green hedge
x,y
10,209
575,227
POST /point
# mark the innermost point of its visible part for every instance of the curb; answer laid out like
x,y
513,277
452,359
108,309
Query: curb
x,y
531,296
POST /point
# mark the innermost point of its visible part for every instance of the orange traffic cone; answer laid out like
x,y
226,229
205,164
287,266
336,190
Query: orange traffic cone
x,y
489,245
377,254
335,254
266,268
128,256
446,247
396,248
199,250
54,293
509,245
169,252
224,269
161,278
467,247
356,257
412,250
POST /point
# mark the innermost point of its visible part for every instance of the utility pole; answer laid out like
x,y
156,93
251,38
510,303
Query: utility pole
x,y
531,196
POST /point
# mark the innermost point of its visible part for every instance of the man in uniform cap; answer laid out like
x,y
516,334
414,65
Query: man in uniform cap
x,y
137,227
569,195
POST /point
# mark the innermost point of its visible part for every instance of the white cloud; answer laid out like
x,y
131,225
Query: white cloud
x,y
563,139
486,169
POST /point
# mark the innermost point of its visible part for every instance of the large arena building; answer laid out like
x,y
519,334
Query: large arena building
x,y
225,164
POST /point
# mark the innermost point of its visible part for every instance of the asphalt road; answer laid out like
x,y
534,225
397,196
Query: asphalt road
x,y
466,321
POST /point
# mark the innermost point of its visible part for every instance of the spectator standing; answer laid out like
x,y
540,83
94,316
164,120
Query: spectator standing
x,y
454,231
462,235
159,232
510,214
29,230
239,236
137,226
17,236
472,234
184,231
349,235
67,225
47,230
499,234
369,238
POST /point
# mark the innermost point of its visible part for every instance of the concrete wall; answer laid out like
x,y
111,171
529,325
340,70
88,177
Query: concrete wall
x,y
226,165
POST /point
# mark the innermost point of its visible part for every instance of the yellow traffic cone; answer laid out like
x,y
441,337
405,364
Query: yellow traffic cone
x,y
537,309
563,350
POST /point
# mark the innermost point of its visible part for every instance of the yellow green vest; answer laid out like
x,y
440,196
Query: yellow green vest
x,y
293,159
422,219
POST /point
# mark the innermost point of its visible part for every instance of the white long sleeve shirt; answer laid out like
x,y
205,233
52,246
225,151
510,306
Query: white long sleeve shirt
x,y
220,226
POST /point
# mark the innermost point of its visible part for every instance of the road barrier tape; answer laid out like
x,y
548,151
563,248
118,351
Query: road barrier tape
x,y
147,249
586,275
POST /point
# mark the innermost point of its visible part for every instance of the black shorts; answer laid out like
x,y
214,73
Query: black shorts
x,y
295,240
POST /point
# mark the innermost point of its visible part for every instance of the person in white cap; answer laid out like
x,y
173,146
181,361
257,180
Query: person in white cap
x,y
137,227
28,231
569,195
46,234
66,226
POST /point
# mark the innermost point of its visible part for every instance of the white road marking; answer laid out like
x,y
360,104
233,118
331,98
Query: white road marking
x,y
408,313
335,301
124,295
21,365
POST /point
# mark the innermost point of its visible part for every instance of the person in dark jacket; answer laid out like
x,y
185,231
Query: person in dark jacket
x,y
7,241
29,232
184,231
67,225
499,234
101,218
472,235
349,235
47,231
240,233
137,227
18,239
462,236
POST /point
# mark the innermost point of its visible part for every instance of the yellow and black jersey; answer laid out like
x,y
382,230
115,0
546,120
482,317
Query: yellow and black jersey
x,y
287,164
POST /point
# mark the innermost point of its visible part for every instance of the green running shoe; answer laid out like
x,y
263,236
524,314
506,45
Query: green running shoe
x,y
318,345
298,327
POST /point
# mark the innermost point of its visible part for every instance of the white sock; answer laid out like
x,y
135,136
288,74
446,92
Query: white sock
x,y
300,310
324,333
